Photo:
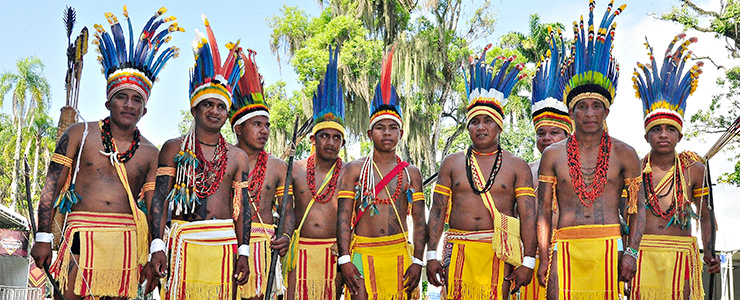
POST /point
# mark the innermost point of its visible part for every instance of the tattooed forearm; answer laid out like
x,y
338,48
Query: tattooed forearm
x,y
420,228
246,212
55,179
162,185
436,219
344,213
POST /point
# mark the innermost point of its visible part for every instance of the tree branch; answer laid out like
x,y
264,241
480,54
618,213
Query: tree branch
x,y
710,60
699,10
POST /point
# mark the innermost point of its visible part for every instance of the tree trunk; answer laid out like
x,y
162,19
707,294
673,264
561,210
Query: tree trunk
x,y
16,166
35,169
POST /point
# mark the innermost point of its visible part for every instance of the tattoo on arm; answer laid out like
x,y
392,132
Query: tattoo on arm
x,y
437,215
344,213
55,179
420,227
162,186
246,212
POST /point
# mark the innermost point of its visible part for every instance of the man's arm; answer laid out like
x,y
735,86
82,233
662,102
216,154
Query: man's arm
x,y
282,242
158,216
345,199
700,197
244,221
437,215
632,170
545,192
524,194
418,214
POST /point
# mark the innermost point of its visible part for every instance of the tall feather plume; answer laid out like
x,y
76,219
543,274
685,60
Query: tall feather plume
x,y
328,100
69,18
385,75
213,44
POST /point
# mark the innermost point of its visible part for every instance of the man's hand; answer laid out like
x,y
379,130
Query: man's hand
x,y
627,268
147,275
435,273
542,272
411,277
41,253
351,277
241,273
712,262
280,244
159,264
521,276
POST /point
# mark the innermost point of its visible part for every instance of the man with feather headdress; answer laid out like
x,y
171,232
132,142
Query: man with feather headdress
x,y
106,236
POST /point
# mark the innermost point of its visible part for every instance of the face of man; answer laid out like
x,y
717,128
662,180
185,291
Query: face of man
x,y
210,114
126,107
589,114
328,141
385,135
663,138
548,135
483,131
253,132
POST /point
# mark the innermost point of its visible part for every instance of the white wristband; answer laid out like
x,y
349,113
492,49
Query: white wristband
x,y
431,255
343,260
528,262
156,246
243,250
44,237
417,261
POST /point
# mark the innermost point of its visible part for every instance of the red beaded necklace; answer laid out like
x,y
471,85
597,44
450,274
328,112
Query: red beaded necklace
x,y
396,193
311,178
258,178
653,199
211,173
588,194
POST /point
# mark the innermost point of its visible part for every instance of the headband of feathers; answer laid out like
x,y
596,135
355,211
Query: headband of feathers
x,y
138,66
385,104
591,71
328,101
548,108
209,78
249,100
664,91
488,89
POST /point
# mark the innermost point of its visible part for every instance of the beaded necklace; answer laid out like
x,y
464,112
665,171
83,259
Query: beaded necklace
x,y
210,173
311,178
469,167
588,193
368,190
652,198
258,178
110,146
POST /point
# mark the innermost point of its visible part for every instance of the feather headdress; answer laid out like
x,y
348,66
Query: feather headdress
x,y
489,89
249,99
328,101
548,108
209,78
591,71
664,92
136,66
385,104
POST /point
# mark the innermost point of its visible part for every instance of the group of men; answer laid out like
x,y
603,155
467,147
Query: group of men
x,y
205,208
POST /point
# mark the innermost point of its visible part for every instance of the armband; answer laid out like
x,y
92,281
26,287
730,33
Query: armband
x,y
417,261
701,192
44,237
442,190
62,160
524,191
528,262
431,255
166,171
346,194
418,196
343,260
243,250
156,246
554,181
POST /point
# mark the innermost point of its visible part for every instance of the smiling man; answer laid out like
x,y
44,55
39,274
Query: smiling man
x,y
250,120
669,262
105,234
195,191
583,178
480,193
376,258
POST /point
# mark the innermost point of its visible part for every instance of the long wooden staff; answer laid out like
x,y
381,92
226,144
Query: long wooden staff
x,y
281,220
54,284
726,137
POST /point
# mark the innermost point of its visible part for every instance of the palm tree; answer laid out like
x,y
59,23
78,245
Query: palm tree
x,y
31,93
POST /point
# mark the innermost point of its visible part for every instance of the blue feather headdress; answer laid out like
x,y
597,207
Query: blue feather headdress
x,y
209,78
591,71
138,66
548,108
385,104
664,92
487,88
328,101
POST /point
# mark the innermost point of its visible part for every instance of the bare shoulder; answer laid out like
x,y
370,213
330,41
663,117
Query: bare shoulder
x,y
147,147
452,160
696,170
168,151
514,160
414,172
353,167
238,154
274,161
299,168
623,149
